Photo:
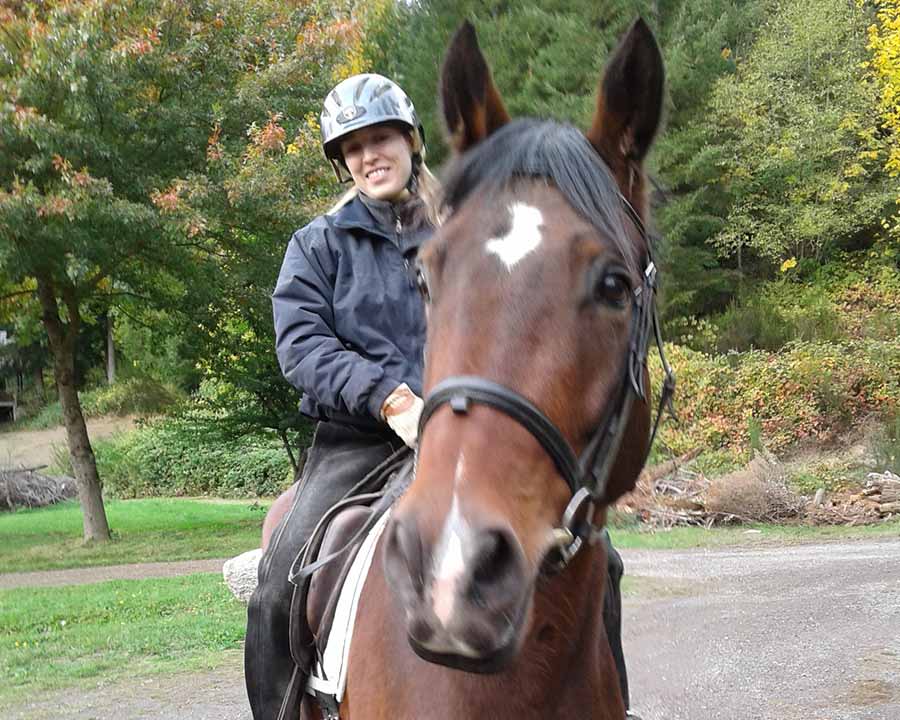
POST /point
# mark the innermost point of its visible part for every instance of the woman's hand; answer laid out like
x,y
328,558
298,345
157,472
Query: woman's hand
x,y
401,410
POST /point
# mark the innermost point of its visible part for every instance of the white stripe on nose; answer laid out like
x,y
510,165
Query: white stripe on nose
x,y
523,237
448,559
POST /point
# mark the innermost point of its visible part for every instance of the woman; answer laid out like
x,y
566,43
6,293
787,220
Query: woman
x,y
350,335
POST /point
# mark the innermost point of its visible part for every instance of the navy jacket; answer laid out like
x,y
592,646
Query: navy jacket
x,y
349,320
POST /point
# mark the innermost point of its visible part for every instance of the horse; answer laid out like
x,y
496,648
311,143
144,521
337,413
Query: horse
x,y
485,599
484,596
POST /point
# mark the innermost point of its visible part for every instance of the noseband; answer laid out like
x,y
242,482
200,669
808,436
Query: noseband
x,y
587,475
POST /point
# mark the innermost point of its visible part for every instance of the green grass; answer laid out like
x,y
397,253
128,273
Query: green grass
x,y
148,530
58,637
754,534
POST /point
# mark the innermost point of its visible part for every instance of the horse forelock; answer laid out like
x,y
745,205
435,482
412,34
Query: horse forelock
x,y
559,154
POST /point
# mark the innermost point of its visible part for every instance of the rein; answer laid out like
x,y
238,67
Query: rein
x,y
587,475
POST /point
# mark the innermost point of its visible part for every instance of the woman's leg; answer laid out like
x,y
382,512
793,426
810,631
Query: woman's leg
x,y
339,458
612,613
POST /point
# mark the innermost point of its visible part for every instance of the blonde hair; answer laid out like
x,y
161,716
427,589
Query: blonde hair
x,y
428,190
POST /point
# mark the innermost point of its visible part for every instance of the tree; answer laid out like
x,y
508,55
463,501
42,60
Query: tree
x,y
884,44
264,177
109,101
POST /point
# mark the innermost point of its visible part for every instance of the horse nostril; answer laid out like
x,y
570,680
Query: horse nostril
x,y
494,562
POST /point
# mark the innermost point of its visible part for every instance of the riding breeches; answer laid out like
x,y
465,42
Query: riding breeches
x,y
340,456
612,613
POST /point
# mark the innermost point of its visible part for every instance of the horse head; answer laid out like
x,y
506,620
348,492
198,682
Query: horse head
x,y
533,287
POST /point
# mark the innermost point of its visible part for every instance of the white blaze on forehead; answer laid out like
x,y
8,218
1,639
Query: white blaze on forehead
x,y
523,237
448,560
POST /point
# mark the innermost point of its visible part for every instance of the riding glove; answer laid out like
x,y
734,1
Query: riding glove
x,y
401,410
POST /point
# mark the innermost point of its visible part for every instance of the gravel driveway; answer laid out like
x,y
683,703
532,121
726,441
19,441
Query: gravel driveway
x,y
799,633
807,632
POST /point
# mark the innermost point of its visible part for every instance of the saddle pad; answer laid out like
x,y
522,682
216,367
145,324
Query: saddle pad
x,y
329,676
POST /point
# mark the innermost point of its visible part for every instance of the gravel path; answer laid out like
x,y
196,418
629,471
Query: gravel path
x,y
798,633
81,576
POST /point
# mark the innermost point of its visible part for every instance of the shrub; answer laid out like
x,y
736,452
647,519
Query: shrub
x,y
774,314
886,446
191,456
756,493
808,390
134,395
142,396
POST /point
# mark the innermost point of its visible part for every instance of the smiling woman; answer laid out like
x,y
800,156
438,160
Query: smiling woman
x,y
350,334
379,159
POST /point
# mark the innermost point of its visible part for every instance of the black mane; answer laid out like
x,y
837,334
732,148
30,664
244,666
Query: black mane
x,y
557,152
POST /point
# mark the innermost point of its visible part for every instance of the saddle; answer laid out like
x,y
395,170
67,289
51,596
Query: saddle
x,y
320,572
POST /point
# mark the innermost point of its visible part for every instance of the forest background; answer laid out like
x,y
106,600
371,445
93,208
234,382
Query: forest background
x,y
155,157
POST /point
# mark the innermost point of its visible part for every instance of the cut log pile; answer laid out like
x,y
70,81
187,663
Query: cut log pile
x,y
674,494
883,489
27,488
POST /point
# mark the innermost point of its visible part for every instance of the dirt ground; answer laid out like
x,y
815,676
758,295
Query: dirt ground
x,y
797,633
32,448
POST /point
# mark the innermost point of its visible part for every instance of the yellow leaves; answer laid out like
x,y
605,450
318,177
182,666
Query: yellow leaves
x,y
884,44
726,53
788,264
854,170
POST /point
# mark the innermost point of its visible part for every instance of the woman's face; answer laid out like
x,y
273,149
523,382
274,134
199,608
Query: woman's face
x,y
379,158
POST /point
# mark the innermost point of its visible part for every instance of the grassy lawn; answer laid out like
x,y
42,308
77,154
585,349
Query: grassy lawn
x,y
57,637
153,530
147,530
755,534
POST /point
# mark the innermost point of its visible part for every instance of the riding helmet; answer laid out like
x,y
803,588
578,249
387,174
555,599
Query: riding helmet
x,y
364,100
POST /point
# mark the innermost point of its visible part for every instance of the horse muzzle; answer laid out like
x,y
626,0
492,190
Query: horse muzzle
x,y
466,599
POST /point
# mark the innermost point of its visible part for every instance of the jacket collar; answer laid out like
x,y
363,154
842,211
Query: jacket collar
x,y
379,217
370,215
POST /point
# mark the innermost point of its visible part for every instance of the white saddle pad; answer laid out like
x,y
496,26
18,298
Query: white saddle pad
x,y
330,675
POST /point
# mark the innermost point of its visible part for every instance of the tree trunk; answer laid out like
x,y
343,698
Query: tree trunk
x,y
110,352
38,378
290,452
62,345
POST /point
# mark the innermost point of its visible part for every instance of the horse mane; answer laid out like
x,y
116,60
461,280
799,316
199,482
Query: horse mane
x,y
529,148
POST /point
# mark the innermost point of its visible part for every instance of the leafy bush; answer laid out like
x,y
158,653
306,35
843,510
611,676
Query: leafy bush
x,y
775,314
808,390
48,416
141,396
886,446
189,455
135,395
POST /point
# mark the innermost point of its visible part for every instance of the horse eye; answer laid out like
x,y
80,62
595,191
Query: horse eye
x,y
613,289
422,284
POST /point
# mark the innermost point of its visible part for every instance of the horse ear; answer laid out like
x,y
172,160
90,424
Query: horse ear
x,y
629,99
470,102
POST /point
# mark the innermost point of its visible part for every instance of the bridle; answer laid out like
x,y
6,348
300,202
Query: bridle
x,y
587,475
